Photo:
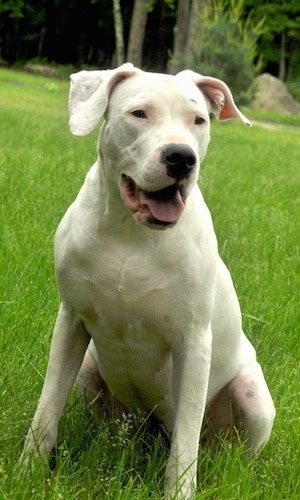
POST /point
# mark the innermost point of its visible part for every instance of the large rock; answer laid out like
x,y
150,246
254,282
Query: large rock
x,y
271,94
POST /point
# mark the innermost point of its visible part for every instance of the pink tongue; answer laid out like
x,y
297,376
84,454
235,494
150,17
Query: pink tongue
x,y
164,210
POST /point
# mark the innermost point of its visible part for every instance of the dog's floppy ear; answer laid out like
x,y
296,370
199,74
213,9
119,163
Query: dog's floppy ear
x,y
219,95
89,94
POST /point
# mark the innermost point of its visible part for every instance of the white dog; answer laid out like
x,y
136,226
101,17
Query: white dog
x,y
148,309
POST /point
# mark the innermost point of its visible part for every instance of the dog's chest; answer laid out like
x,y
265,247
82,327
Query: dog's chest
x,y
122,279
137,296
133,313
126,283
132,302
135,362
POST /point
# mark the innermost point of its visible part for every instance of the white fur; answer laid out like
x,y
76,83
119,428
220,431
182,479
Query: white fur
x,y
159,305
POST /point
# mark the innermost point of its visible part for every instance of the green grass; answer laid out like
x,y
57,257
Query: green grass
x,y
251,181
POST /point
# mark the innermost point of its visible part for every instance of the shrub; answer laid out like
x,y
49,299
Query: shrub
x,y
294,88
227,48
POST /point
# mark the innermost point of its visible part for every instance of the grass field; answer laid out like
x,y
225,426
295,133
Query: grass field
x,y
251,181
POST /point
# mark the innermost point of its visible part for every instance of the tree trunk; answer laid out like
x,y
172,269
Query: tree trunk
x,y
188,33
195,29
137,32
120,52
180,36
282,61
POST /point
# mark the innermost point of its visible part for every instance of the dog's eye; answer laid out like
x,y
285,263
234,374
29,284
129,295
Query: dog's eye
x,y
199,120
139,113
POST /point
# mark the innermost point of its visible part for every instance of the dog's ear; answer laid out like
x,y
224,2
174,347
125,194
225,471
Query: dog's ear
x,y
219,96
89,94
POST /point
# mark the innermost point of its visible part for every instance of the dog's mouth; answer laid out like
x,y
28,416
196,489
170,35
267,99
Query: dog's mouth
x,y
163,207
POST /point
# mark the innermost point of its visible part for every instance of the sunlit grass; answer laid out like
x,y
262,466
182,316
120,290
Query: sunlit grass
x,y
251,181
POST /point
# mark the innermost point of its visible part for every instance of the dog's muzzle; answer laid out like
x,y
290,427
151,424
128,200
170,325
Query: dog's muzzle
x,y
161,208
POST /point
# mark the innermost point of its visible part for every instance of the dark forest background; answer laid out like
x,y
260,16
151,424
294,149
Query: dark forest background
x,y
239,37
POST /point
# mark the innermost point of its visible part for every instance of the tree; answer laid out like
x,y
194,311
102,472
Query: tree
x,y
281,40
118,23
219,42
137,32
195,28
180,35
81,32
188,32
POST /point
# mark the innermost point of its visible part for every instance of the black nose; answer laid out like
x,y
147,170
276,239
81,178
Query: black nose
x,y
180,160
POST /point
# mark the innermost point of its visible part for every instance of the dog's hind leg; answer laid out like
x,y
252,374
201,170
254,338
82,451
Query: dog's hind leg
x,y
89,382
243,405
94,389
250,395
69,343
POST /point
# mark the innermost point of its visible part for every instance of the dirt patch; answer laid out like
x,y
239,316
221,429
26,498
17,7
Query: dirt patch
x,y
43,70
267,125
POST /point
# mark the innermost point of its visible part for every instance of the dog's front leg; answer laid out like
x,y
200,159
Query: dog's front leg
x,y
191,366
69,343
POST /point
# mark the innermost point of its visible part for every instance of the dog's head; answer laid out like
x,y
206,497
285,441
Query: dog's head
x,y
155,134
